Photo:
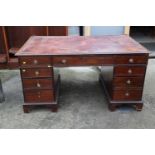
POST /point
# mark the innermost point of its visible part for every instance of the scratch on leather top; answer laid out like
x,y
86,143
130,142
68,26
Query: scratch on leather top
x,y
80,45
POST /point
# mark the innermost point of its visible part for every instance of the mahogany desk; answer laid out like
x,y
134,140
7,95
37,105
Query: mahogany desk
x,y
40,54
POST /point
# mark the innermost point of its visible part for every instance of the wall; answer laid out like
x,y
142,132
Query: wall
x,y
73,30
106,30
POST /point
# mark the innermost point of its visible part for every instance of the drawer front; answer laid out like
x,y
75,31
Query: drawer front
x,y
35,61
82,60
64,61
129,70
128,81
130,59
33,96
127,95
36,72
98,60
37,84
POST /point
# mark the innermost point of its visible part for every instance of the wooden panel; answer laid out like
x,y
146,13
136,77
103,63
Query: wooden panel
x,y
35,61
131,59
127,95
129,70
37,83
57,30
17,35
38,96
36,72
81,60
123,82
2,43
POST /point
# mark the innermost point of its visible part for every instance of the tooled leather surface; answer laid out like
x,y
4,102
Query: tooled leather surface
x,y
80,45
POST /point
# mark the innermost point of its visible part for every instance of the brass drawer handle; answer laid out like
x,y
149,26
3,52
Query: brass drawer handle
x,y
24,70
131,60
24,62
130,71
38,85
35,62
64,61
128,81
36,73
127,94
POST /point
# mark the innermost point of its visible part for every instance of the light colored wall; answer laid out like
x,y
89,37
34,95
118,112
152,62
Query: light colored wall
x,y
106,30
73,30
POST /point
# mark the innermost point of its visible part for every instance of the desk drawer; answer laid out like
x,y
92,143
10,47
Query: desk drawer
x,y
131,59
128,81
66,60
38,83
129,70
82,60
35,61
36,72
127,95
33,96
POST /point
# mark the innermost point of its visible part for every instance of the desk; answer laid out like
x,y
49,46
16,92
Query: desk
x,y
40,54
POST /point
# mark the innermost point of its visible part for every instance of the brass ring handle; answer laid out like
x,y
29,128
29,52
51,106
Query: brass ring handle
x,y
128,81
38,85
24,70
24,62
131,60
35,62
127,94
64,61
36,73
130,71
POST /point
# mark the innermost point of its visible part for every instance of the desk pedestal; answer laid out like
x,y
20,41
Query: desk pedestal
x,y
123,84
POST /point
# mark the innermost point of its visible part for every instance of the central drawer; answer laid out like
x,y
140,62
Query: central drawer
x,y
81,60
38,83
36,72
33,96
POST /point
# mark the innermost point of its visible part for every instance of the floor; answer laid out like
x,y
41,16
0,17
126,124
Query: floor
x,y
82,104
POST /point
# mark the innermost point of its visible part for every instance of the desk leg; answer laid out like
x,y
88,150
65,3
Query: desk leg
x,y
26,108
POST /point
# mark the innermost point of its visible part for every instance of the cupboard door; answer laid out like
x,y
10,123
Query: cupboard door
x,y
57,30
17,35
2,43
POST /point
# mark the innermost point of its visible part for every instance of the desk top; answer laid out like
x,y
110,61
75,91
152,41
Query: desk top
x,y
80,45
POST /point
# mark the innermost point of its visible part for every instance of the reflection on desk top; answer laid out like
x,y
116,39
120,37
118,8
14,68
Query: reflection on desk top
x,y
80,45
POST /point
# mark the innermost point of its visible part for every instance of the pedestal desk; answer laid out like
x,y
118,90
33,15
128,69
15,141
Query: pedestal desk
x,y
40,54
